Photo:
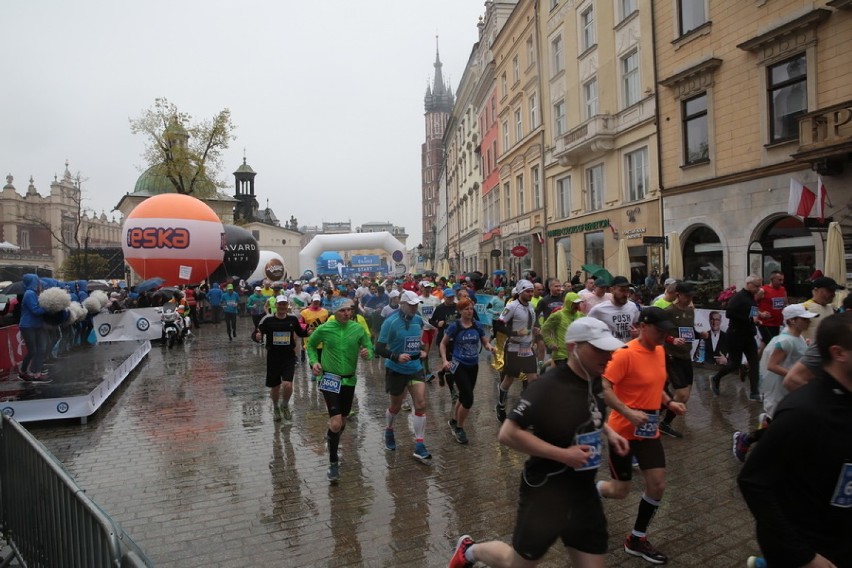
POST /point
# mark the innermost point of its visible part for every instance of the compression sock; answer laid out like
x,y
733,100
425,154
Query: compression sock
x,y
647,509
419,423
502,395
389,419
333,443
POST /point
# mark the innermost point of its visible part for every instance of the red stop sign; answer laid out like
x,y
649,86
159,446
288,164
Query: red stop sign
x,y
519,251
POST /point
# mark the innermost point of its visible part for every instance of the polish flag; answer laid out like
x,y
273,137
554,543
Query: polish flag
x,y
805,202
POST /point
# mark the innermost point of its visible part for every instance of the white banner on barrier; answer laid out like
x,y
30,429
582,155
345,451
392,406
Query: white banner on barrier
x,y
129,325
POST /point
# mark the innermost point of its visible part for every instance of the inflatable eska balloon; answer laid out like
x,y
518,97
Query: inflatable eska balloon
x,y
175,237
271,266
241,255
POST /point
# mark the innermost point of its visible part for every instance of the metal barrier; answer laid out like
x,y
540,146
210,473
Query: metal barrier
x,y
45,517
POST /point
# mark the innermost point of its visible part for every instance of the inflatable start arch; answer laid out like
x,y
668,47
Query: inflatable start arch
x,y
349,241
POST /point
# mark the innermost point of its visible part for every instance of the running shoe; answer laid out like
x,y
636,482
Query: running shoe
x,y
285,412
452,424
740,446
714,385
667,429
460,436
333,472
501,412
763,421
420,452
38,379
637,546
756,562
276,413
458,560
390,441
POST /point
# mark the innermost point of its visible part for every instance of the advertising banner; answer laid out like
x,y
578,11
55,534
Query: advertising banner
x,y
129,325
12,349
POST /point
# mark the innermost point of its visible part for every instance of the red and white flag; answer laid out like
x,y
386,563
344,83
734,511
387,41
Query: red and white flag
x,y
806,202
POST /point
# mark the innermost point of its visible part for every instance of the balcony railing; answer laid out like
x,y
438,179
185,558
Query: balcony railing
x,y
593,137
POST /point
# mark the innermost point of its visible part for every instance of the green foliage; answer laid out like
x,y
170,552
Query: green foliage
x,y
83,266
187,152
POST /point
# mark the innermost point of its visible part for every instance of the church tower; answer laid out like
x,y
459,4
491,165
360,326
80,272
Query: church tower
x,y
438,103
246,208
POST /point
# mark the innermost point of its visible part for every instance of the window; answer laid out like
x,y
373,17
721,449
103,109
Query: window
x,y
530,51
594,188
590,97
636,165
494,153
696,141
504,85
554,4
788,97
559,125
594,248
519,126
557,64
533,112
519,183
496,217
587,23
24,239
536,188
626,8
691,15
630,78
256,234
507,195
516,70
563,197
505,136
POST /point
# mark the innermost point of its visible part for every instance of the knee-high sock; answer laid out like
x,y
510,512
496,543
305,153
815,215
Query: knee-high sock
x,y
389,419
333,443
647,508
419,421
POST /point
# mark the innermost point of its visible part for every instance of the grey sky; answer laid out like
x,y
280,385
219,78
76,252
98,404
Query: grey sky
x,y
327,95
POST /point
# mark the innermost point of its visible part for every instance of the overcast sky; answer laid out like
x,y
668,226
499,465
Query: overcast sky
x,y
327,95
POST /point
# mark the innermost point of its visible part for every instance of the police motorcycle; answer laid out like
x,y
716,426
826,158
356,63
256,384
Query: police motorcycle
x,y
174,324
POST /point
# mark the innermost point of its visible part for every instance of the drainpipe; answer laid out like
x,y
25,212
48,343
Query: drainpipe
x,y
657,116
542,180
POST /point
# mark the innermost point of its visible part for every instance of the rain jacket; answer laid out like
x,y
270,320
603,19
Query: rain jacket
x,y
214,296
31,312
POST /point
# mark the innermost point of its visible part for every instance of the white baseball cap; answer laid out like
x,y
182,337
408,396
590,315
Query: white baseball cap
x,y
393,294
797,311
594,331
316,298
282,298
410,297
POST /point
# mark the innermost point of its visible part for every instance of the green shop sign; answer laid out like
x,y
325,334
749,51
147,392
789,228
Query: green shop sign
x,y
591,226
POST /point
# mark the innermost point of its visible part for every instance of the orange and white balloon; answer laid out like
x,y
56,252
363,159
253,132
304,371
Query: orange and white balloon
x,y
175,237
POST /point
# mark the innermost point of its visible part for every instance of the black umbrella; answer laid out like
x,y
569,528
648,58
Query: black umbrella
x,y
97,285
14,289
166,293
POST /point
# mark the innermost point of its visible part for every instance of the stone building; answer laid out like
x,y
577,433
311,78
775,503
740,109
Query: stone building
x,y
753,95
38,231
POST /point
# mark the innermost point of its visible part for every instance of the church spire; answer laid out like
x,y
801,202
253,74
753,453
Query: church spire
x,y
440,98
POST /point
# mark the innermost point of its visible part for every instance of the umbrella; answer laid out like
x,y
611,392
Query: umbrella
x,y
8,246
675,256
500,272
149,284
597,271
622,265
835,259
14,289
166,293
97,285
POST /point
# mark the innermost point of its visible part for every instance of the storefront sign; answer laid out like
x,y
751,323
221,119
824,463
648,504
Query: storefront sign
x,y
633,233
519,251
585,227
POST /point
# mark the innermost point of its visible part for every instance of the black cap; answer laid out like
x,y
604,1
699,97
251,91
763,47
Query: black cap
x,y
658,317
826,282
620,281
684,288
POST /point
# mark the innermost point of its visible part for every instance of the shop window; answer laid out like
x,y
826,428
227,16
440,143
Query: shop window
x,y
703,265
788,97
787,246
595,248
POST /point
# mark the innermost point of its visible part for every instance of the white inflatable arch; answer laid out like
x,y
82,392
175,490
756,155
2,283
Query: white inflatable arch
x,y
346,241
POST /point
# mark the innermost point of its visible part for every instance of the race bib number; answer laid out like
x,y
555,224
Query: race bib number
x,y
686,333
453,366
280,338
427,311
329,383
232,304
752,313
842,496
412,345
595,440
648,429
778,303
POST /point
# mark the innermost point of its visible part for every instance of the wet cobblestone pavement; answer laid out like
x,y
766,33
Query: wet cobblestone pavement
x,y
187,458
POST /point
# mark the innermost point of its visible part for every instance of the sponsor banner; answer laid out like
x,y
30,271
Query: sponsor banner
x,y
129,325
12,349
481,307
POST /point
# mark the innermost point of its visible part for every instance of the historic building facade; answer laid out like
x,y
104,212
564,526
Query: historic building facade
x,y
753,95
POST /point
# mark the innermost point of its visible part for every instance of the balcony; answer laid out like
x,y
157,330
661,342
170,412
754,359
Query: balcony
x,y
592,138
825,138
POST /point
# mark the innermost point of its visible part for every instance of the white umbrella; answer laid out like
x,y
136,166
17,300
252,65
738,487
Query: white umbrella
x,y
622,263
675,256
8,246
835,259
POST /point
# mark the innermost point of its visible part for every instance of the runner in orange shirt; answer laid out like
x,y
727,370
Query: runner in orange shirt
x,y
633,389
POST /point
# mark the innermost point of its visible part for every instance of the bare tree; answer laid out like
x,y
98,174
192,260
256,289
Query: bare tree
x,y
187,153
